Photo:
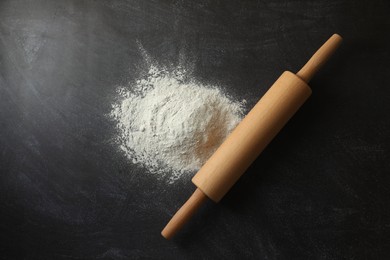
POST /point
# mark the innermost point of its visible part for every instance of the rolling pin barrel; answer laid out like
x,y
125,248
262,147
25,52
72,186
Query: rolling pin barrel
x,y
252,135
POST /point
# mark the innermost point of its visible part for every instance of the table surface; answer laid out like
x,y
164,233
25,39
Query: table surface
x,y
321,190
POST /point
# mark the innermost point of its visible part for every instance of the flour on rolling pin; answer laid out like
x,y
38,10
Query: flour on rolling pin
x,y
170,123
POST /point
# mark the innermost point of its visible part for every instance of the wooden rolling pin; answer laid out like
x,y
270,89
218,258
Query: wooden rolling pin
x,y
251,136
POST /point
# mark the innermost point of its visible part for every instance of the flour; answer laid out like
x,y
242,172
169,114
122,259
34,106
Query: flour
x,y
171,124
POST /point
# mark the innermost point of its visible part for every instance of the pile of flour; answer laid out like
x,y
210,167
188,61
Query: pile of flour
x,y
172,124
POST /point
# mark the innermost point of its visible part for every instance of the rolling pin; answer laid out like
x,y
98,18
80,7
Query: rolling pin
x,y
251,136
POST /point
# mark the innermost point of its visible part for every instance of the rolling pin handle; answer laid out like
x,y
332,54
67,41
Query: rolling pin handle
x,y
319,58
184,214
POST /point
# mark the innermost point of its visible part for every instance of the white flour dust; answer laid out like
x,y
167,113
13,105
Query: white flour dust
x,y
171,124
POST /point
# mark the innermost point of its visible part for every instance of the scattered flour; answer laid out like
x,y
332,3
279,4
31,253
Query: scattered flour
x,y
172,124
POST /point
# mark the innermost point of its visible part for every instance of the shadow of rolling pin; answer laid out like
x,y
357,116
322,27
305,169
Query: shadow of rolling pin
x,y
251,136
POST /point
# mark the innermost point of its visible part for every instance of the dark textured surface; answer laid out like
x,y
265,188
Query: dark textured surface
x,y
321,190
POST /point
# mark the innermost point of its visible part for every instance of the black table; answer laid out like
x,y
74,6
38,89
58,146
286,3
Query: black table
x,y
319,191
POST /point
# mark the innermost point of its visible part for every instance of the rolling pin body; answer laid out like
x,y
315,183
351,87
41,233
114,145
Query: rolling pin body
x,y
251,136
